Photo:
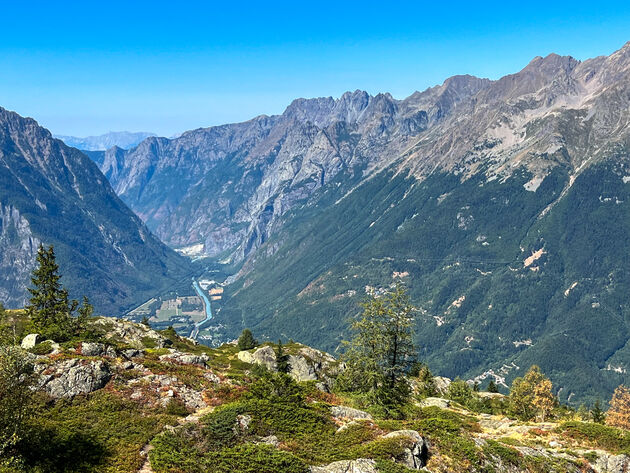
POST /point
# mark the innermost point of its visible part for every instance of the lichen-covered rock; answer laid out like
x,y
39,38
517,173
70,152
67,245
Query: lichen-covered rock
x,y
132,353
343,412
417,454
435,402
441,384
307,364
265,356
360,465
30,341
185,358
97,349
607,463
133,334
72,377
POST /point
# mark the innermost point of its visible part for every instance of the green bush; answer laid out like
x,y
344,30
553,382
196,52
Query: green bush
x,y
173,452
176,407
43,348
598,436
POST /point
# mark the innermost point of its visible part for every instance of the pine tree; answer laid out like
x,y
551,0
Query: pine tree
x,y
597,414
618,414
492,387
85,312
145,321
49,307
364,353
246,341
381,353
282,359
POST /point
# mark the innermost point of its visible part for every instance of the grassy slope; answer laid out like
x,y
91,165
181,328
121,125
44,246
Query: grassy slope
x,y
106,430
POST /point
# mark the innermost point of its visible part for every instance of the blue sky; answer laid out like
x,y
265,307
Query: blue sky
x,y
88,68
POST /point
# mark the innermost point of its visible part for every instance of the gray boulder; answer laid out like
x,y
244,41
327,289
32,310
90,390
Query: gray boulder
x,y
306,365
130,333
435,402
30,341
343,412
441,384
416,455
132,353
607,463
97,349
265,356
360,465
72,378
185,358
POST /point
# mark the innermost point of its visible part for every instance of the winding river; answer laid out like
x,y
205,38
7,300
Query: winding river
x,y
206,307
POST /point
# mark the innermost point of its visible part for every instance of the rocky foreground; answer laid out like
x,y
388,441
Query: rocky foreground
x,y
131,399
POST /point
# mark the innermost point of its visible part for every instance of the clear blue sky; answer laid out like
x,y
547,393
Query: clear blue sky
x,y
88,68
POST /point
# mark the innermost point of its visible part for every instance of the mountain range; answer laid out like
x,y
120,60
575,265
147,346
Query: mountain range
x,y
123,139
54,194
503,205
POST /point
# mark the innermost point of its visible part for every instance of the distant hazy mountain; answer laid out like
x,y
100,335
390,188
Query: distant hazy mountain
x,y
53,194
503,205
122,139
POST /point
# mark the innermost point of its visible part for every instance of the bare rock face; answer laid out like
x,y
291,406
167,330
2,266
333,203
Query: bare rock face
x,y
73,377
360,465
183,188
18,249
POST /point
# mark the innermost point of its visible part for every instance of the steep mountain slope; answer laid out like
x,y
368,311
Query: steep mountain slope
x,y
123,139
226,187
510,223
53,194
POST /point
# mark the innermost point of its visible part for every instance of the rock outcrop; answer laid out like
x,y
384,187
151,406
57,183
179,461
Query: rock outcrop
x,y
307,364
349,413
132,334
185,358
30,341
72,377
416,455
360,465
